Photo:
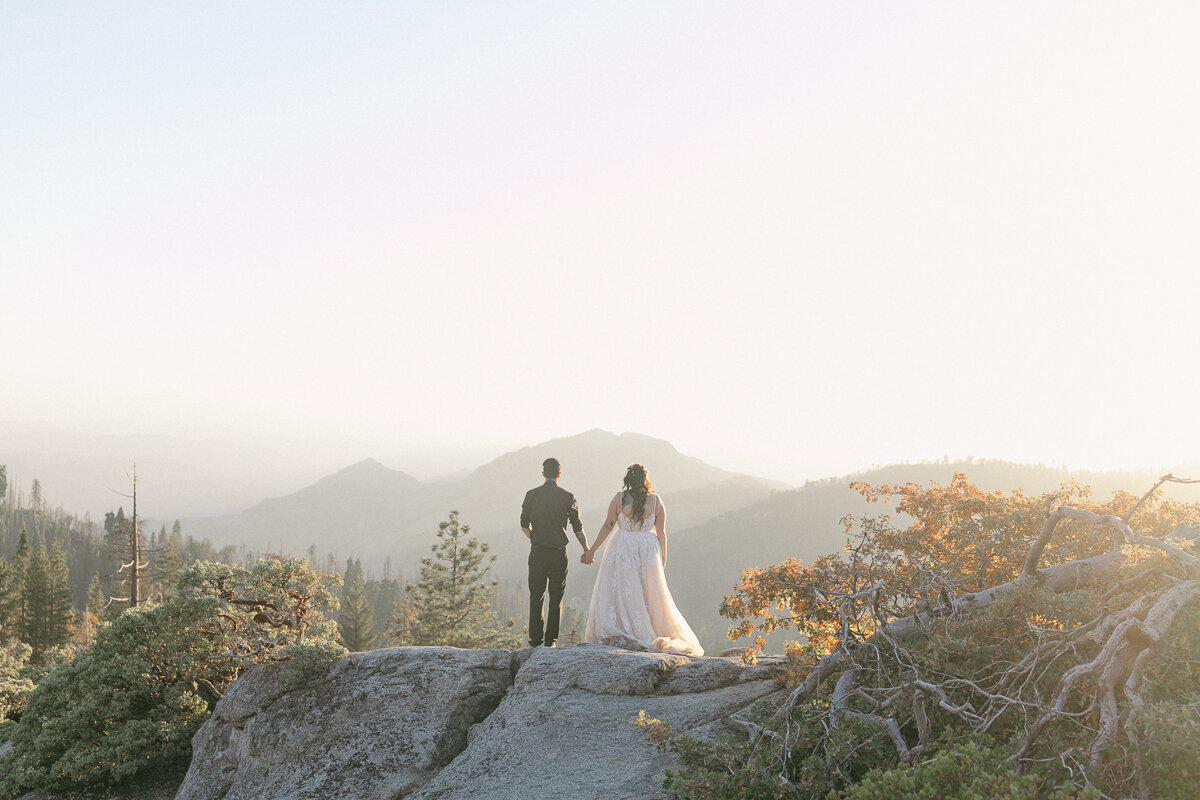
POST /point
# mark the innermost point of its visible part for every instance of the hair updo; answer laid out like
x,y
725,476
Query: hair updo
x,y
637,483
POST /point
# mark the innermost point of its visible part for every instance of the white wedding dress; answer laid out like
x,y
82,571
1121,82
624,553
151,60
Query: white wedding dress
x,y
631,604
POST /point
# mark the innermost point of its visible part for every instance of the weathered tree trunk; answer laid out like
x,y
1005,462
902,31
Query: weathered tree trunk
x,y
1123,639
135,547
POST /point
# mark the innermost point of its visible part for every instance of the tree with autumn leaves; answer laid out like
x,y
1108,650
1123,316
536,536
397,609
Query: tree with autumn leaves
x,y
1027,645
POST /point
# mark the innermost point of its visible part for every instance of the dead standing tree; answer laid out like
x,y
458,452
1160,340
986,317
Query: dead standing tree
x,y
126,543
1092,676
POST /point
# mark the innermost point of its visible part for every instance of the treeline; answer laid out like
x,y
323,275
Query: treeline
x,y
43,526
88,548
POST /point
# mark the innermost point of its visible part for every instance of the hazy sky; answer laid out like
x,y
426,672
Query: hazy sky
x,y
791,238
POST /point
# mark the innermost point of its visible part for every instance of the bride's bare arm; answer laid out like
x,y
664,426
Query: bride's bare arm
x,y
609,523
660,528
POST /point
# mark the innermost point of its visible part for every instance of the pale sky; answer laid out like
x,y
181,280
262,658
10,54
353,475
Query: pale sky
x,y
791,238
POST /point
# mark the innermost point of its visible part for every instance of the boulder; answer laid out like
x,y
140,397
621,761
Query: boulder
x,y
377,725
444,723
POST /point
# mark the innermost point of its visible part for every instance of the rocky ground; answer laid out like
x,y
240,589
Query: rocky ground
x,y
444,723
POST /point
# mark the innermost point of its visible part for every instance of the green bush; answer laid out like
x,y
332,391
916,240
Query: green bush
x,y
1172,734
15,685
130,701
19,674
715,768
964,772
129,705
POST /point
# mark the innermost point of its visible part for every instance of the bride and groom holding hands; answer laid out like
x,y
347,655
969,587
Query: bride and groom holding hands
x,y
631,605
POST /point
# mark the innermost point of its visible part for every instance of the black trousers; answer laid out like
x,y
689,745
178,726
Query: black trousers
x,y
547,570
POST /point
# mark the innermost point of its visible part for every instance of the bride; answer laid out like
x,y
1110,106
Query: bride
x,y
631,604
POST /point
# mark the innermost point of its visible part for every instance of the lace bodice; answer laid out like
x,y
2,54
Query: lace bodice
x,y
630,525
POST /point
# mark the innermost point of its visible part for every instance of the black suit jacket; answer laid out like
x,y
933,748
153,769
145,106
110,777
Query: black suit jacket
x,y
546,511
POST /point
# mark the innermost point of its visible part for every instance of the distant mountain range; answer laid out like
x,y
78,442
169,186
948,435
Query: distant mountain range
x,y
370,511
719,522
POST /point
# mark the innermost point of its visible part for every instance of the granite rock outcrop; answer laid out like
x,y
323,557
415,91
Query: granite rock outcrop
x,y
450,724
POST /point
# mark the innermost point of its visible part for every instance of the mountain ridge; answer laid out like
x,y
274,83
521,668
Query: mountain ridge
x,y
368,474
370,510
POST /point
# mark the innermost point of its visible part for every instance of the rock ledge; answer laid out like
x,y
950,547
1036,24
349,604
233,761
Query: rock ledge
x,y
439,722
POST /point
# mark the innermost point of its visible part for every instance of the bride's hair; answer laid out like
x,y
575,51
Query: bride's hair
x,y
639,488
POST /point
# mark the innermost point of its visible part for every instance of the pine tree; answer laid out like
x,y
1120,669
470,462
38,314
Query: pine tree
x,y
95,597
20,608
356,619
9,601
169,562
61,612
48,597
452,601
95,607
383,595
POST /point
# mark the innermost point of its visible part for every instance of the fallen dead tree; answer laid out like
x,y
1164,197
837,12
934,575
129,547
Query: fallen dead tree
x,y
1067,693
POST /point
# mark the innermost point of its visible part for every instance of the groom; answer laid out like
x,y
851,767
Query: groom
x,y
544,517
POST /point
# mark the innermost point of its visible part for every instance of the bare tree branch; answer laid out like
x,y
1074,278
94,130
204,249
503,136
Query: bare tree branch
x,y
1104,691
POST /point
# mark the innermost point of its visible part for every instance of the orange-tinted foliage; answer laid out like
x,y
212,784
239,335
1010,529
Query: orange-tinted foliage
x,y
960,539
